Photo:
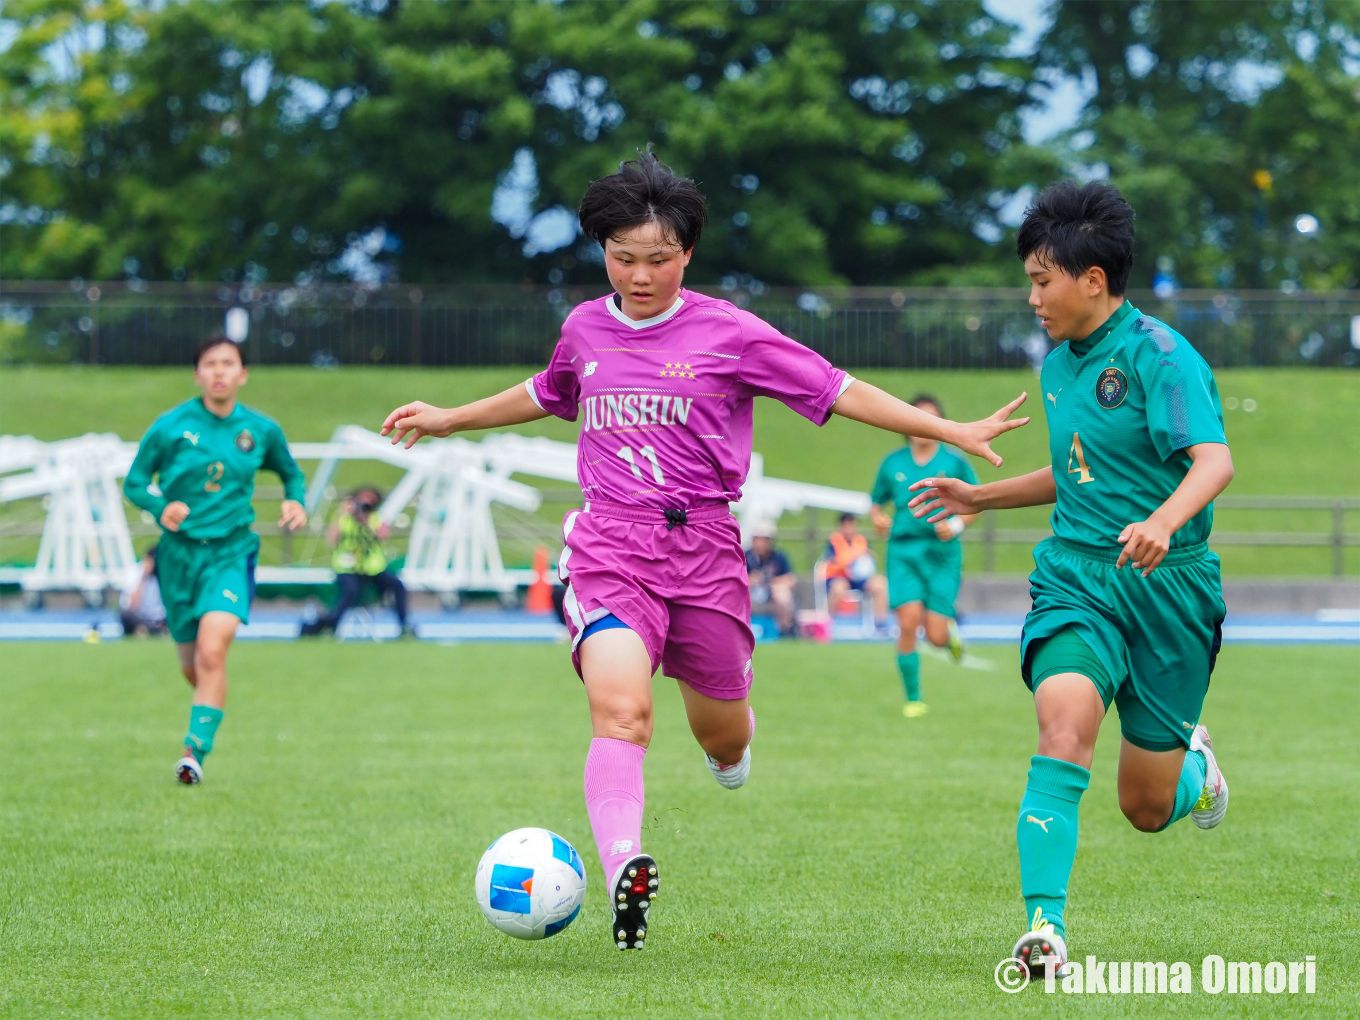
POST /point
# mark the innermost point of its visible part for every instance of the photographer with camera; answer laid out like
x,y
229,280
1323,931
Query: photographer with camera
x,y
357,534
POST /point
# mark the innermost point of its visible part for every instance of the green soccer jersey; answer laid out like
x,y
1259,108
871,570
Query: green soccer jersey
x,y
899,471
209,464
1122,406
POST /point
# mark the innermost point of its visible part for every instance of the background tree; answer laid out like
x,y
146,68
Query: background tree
x,y
1224,123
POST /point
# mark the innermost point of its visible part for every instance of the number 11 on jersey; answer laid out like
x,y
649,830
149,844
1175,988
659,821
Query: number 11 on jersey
x,y
650,453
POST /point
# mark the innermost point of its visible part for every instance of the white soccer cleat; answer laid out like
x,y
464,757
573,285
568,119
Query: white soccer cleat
x,y
1042,946
188,771
1213,800
631,894
731,776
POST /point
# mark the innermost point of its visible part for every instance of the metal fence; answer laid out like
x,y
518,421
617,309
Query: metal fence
x,y
136,323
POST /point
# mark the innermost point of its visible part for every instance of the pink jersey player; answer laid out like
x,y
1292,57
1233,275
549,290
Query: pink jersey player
x,y
662,381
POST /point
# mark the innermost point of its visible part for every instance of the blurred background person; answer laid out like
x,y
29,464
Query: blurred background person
x,y
140,607
358,534
925,561
772,579
851,567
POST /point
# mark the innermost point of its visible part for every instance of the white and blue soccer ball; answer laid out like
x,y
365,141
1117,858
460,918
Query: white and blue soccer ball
x,y
531,883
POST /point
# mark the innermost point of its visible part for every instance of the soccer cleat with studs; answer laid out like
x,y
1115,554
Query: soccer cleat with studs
x,y
188,770
1213,799
1042,946
631,895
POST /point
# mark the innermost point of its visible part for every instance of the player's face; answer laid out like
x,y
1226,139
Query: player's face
x,y
220,373
1065,305
762,545
646,269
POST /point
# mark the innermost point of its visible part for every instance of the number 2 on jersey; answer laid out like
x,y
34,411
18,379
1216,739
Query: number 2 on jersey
x,y
650,453
215,473
1082,472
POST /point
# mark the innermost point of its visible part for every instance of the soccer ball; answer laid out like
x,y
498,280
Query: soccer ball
x,y
530,883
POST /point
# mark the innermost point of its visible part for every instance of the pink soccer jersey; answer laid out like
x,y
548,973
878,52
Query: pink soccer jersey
x,y
666,403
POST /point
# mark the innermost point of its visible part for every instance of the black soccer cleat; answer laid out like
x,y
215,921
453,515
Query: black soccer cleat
x,y
631,894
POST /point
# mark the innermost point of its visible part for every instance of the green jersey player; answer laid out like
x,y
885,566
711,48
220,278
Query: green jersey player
x,y
1128,606
925,561
195,473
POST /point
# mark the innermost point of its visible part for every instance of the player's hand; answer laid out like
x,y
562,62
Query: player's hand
x,y
882,522
292,514
975,437
1145,544
943,531
173,515
942,497
417,419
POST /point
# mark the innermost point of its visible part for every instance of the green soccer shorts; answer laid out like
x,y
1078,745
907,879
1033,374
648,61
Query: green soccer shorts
x,y
925,570
1157,637
200,576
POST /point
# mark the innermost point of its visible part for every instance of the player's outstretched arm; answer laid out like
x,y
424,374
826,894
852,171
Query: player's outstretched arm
x,y
1146,543
940,497
411,421
873,406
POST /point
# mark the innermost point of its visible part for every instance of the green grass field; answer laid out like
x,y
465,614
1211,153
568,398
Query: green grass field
x,y
1301,440
867,870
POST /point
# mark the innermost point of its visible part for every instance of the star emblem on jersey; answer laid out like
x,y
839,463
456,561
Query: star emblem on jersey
x,y
245,442
677,370
1112,386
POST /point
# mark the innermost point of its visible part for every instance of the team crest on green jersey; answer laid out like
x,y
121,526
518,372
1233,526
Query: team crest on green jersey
x,y
1111,388
245,442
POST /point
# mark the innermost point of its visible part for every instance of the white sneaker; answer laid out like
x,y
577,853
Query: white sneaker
x,y
188,771
634,887
1040,946
731,776
1213,801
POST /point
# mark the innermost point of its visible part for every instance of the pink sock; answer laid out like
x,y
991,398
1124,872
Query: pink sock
x,y
614,800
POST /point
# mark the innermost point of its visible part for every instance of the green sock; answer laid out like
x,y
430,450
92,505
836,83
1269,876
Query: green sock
x,y
910,667
203,723
1189,788
1046,835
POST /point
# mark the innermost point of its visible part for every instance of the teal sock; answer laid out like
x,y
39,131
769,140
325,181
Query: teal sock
x,y
909,666
1046,835
203,723
1189,788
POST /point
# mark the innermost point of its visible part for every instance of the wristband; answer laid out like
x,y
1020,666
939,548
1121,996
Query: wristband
x,y
955,526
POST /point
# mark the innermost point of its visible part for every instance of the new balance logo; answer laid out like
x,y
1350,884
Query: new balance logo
x,y
1043,824
590,368
621,846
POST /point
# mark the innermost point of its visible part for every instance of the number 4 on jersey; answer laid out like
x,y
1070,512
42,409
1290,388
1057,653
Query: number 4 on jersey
x,y
650,453
1082,472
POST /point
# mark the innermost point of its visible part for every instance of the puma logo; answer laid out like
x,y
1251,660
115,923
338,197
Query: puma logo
x,y
235,598
1054,399
191,436
1042,823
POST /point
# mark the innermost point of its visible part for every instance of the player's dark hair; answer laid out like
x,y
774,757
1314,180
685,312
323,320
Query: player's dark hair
x,y
928,398
849,517
217,340
1073,227
645,190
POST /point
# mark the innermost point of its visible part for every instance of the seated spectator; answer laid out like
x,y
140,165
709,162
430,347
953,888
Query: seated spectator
x,y
772,580
357,534
140,607
850,567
